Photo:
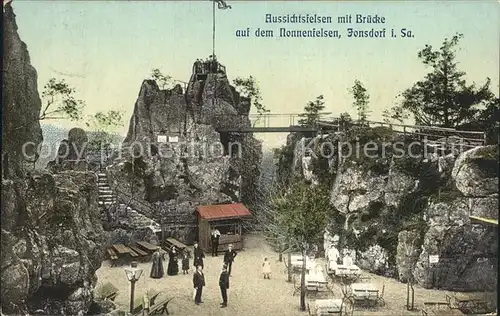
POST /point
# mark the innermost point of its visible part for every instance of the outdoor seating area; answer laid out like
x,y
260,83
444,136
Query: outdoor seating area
x,y
326,306
120,254
467,304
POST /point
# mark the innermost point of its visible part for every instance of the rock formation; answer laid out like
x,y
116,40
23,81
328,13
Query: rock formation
x,y
21,102
71,153
51,229
166,181
397,211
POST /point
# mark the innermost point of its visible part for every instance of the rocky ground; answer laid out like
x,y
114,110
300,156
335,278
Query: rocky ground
x,y
249,293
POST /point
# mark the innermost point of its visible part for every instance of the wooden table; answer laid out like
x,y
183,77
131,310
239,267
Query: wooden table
x,y
328,306
467,304
174,242
314,280
297,262
446,312
121,249
147,246
352,270
364,291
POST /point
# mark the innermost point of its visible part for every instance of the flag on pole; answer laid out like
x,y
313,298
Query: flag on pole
x,y
221,4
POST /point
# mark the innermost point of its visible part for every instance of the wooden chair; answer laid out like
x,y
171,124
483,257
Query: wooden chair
x,y
160,307
296,285
380,298
108,292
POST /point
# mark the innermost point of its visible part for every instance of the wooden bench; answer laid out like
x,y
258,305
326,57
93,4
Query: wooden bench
x,y
108,292
169,242
160,307
112,256
141,253
133,254
138,307
428,306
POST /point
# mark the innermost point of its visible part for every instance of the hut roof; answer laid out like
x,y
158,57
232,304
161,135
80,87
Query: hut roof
x,y
222,211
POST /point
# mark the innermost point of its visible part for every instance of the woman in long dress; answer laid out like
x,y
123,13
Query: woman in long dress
x,y
157,267
173,266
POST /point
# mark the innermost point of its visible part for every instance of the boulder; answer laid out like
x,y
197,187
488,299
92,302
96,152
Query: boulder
x,y
476,172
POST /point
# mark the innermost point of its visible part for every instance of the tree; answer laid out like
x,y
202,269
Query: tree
x,y
361,98
60,102
163,81
312,112
299,216
396,113
249,87
344,121
103,127
443,98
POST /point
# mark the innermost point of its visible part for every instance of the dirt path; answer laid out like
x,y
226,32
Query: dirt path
x,y
249,293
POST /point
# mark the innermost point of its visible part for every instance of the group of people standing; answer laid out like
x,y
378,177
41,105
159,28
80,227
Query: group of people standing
x,y
157,270
199,277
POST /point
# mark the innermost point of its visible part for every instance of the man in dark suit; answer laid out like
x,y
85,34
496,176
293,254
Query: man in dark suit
x,y
198,256
198,283
214,236
224,285
229,257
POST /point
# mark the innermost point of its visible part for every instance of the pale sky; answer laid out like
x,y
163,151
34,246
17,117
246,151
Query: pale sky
x,y
109,47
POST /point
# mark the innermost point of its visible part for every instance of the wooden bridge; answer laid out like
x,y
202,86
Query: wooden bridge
x,y
289,122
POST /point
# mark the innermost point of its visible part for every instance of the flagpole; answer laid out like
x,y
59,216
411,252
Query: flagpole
x,y
213,52
213,31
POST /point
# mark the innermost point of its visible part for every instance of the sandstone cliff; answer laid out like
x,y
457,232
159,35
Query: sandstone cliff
x,y
51,229
396,211
166,181
21,102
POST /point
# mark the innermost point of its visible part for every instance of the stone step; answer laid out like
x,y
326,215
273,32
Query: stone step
x,y
106,202
100,174
105,191
106,196
109,197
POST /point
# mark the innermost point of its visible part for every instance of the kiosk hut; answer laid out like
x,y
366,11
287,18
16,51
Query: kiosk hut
x,y
227,218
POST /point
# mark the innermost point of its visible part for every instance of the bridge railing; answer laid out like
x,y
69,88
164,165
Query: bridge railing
x,y
267,119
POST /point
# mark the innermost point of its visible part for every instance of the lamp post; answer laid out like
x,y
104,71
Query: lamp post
x,y
133,274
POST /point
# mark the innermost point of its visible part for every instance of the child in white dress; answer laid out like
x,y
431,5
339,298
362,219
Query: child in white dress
x,y
266,269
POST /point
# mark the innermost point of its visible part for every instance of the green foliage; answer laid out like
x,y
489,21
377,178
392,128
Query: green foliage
x,y
103,126
395,114
60,102
163,81
378,155
312,112
249,87
321,161
443,98
284,157
361,99
302,213
344,121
